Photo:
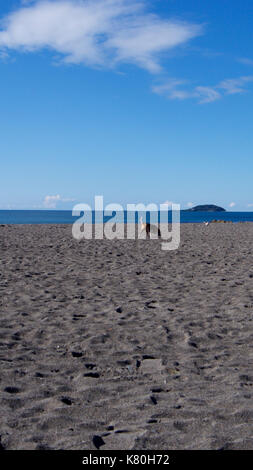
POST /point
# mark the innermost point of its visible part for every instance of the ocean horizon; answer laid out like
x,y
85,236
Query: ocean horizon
x,y
42,216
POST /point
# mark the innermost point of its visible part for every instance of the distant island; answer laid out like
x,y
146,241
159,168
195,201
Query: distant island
x,y
206,208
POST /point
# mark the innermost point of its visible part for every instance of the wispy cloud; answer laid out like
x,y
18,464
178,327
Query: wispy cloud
x,y
245,61
237,85
232,204
50,202
98,33
173,90
206,94
3,55
182,89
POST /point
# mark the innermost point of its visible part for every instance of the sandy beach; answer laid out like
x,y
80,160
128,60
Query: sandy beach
x,y
120,345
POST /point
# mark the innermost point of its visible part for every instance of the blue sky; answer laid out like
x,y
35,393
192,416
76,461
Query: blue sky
x,y
138,101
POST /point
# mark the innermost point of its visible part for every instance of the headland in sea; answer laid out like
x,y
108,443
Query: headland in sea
x,y
120,345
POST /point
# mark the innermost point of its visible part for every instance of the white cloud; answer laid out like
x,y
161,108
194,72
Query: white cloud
x,y
50,202
232,204
95,32
250,205
181,89
190,204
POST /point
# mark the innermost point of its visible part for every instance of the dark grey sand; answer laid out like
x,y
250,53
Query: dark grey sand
x,y
145,348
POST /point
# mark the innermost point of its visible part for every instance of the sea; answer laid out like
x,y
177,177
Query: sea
x,y
66,217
